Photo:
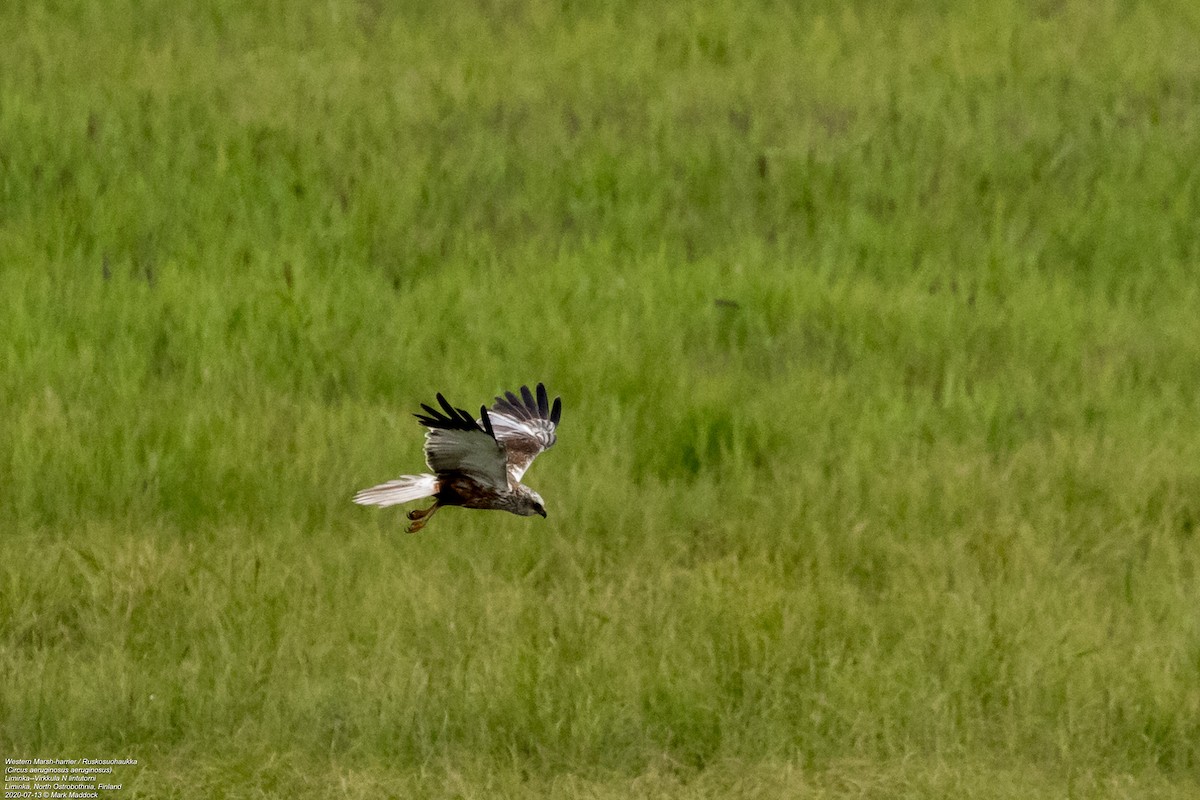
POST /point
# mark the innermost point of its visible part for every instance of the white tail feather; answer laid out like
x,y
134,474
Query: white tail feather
x,y
401,490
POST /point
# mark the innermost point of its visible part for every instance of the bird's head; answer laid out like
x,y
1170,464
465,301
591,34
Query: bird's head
x,y
530,503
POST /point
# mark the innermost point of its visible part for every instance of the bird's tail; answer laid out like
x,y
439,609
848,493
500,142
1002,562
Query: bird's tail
x,y
401,490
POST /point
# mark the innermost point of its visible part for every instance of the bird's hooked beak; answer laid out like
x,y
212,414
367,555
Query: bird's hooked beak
x,y
542,511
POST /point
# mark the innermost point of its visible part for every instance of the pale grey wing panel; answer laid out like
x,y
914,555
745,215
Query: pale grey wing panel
x,y
474,453
457,443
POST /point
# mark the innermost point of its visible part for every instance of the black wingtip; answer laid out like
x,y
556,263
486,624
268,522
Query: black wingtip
x,y
531,405
449,417
487,422
515,406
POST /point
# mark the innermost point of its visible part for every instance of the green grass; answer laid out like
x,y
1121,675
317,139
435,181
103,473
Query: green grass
x,y
876,327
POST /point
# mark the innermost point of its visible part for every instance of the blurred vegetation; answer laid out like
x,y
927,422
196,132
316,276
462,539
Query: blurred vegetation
x,y
876,328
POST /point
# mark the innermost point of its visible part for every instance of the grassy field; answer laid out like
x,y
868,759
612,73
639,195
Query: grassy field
x,y
877,327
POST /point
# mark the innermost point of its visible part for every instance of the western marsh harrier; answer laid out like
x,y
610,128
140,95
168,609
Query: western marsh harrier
x,y
476,463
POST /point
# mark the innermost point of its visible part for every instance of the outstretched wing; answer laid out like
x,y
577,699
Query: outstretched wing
x,y
525,425
457,443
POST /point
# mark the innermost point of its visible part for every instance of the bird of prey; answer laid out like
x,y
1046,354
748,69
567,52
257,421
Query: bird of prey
x,y
476,463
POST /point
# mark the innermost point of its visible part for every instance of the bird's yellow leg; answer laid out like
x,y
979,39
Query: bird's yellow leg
x,y
420,516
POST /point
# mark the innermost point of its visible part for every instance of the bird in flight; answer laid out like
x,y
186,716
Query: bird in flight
x,y
477,463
